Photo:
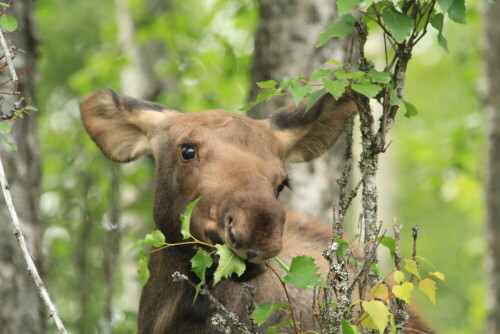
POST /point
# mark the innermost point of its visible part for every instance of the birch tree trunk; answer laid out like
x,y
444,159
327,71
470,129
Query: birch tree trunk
x,y
492,181
285,44
21,310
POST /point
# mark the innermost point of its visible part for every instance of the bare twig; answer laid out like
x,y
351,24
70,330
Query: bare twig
x,y
33,272
8,58
233,318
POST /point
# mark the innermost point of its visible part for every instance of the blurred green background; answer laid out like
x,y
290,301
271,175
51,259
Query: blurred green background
x,y
436,155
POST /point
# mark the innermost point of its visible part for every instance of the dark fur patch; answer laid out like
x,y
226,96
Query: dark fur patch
x,y
292,117
197,312
130,104
252,270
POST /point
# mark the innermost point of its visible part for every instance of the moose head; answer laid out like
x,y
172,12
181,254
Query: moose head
x,y
233,163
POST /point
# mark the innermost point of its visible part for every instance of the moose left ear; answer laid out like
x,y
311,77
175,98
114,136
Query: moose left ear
x,y
304,136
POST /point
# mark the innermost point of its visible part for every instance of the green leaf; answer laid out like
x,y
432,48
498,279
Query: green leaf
x,y
347,328
265,310
367,89
8,22
6,139
378,315
303,274
334,62
3,4
343,247
428,287
199,264
155,238
381,77
299,92
438,275
30,108
456,12
398,276
142,269
377,270
411,111
287,81
319,73
267,84
411,267
403,291
443,42
335,87
380,291
5,127
445,5
343,6
186,219
311,99
341,27
437,21
399,25
393,98
274,329
390,243
264,95
229,263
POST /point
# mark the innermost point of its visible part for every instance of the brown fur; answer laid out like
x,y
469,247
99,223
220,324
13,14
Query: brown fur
x,y
237,170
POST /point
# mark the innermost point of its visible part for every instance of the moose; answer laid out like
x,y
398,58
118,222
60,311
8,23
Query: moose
x,y
236,166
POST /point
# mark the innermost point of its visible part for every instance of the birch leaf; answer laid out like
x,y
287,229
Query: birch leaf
x,y
428,287
186,219
380,291
229,263
412,267
403,291
378,315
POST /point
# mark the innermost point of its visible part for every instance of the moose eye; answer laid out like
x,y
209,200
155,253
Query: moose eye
x,y
188,152
282,185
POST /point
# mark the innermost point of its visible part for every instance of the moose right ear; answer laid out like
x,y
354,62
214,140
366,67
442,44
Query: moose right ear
x,y
120,124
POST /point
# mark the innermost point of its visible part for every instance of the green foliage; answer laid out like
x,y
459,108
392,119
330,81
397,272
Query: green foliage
x,y
8,22
229,263
4,131
302,273
199,265
143,270
265,310
186,219
342,27
376,316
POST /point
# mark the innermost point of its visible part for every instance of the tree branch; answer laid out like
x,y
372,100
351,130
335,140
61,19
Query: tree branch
x,y
8,58
33,272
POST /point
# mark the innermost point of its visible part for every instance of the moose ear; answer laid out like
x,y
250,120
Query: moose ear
x,y
304,136
120,124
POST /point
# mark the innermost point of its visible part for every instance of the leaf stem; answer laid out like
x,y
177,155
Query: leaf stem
x,y
287,297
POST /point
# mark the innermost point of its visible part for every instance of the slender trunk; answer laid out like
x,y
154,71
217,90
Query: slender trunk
x,y
21,310
492,181
285,44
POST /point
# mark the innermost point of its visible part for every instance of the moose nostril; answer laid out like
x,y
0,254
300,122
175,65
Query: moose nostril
x,y
251,255
230,221
235,239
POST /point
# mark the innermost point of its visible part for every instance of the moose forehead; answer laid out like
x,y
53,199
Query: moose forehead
x,y
221,130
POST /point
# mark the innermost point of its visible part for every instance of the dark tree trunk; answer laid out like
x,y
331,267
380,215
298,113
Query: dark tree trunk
x,y
21,310
285,44
492,182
